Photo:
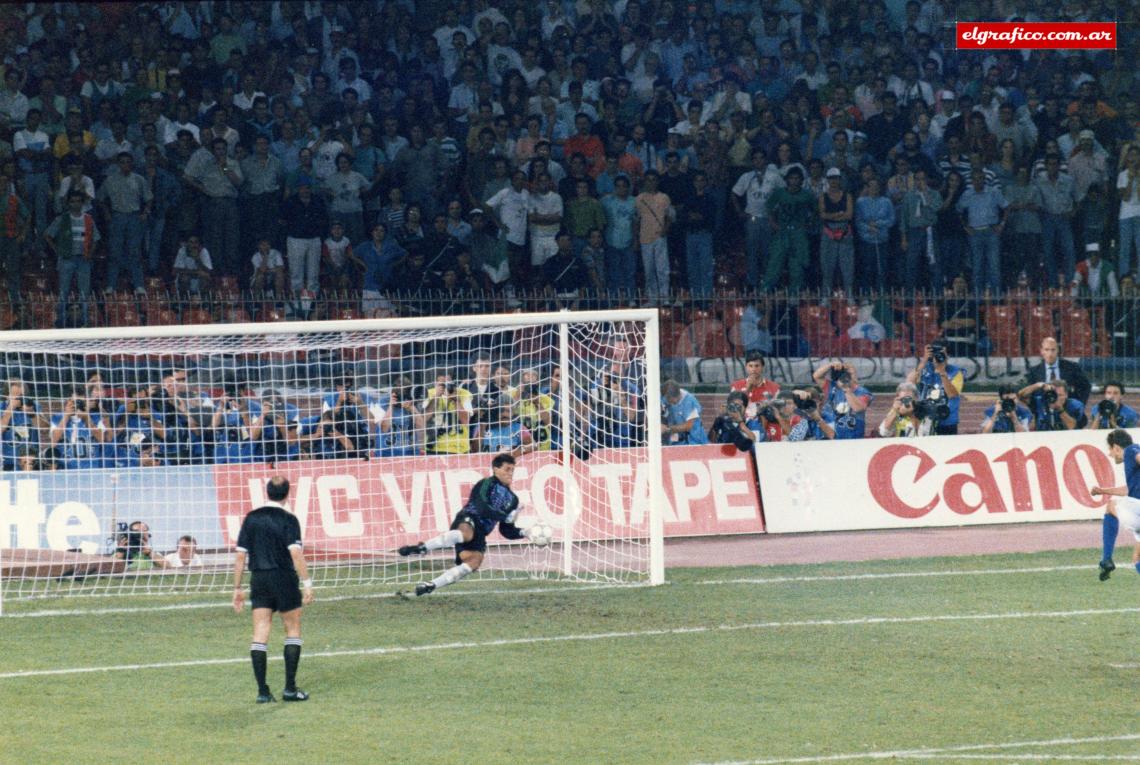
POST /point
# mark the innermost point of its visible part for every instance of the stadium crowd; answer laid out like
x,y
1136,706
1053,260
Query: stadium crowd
x,y
591,152
571,148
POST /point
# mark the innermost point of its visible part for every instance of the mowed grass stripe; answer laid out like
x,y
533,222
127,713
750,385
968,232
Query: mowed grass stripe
x,y
956,752
542,590
584,637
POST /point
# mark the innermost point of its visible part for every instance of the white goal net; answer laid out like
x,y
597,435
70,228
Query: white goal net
x,y
131,456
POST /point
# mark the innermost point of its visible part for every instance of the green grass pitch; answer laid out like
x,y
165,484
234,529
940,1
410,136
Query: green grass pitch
x,y
719,665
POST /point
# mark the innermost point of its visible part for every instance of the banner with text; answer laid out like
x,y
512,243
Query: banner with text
x,y
940,481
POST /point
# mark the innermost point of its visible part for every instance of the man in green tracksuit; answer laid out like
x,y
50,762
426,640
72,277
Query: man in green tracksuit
x,y
792,211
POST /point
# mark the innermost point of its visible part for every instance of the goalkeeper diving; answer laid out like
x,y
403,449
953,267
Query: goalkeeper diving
x,y
491,502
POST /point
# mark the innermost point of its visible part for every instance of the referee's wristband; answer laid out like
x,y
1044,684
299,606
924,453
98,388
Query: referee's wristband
x,y
307,584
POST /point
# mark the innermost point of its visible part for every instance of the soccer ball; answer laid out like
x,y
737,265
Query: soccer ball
x,y
540,534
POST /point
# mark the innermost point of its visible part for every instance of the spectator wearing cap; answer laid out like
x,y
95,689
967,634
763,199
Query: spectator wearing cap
x,y
984,211
792,213
1094,277
1058,207
655,215
217,178
837,236
126,199
750,196
1087,166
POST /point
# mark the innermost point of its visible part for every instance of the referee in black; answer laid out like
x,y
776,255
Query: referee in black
x,y
271,537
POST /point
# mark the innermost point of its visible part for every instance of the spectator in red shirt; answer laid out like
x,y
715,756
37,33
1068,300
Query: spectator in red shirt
x,y
582,142
758,388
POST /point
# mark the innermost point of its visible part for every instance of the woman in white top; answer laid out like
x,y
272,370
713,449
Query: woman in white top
x,y
1128,184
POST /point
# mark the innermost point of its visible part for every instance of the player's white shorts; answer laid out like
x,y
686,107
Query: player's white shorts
x,y
1128,513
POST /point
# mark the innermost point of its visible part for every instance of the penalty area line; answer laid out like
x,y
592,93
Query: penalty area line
x,y
585,637
947,753
895,575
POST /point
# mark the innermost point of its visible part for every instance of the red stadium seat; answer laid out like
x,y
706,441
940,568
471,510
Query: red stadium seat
x,y
1037,320
711,339
679,342
1003,329
197,316
125,314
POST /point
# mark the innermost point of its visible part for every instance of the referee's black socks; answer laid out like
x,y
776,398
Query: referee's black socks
x,y
257,657
292,659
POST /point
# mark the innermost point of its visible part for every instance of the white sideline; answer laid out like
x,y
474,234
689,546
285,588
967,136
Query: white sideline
x,y
947,752
577,587
699,629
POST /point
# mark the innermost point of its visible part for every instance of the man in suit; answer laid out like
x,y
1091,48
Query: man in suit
x,y
1052,367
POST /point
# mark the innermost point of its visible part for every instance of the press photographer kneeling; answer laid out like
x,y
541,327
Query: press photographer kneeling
x,y
1112,413
1051,406
1007,415
733,426
796,416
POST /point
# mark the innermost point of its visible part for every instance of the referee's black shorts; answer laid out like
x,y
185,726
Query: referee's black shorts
x,y
276,589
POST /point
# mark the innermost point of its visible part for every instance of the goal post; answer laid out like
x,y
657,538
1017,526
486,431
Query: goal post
x,y
132,454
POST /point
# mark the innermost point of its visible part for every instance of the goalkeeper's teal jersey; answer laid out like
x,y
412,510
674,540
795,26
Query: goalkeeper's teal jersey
x,y
491,502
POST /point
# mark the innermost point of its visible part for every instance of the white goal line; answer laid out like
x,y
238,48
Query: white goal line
x,y
952,752
584,637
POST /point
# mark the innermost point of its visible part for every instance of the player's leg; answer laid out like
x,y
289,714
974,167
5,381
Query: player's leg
x,y
450,538
1136,557
1109,527
467,560
292,623
262,624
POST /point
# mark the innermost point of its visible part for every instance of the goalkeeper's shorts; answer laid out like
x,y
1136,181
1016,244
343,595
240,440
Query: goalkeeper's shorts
x,y
478,541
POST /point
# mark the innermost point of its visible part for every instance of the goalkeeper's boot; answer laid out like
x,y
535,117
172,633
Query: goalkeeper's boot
x,y
424,588
419,548
297,695
265,698
1106,569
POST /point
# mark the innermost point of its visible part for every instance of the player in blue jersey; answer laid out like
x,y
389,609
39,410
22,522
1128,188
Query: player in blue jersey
x,y
491,503
1125,507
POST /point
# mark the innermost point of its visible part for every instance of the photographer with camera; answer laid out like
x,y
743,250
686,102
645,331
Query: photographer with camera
x,y
182,440
20,423
237,433
399,434
615,411
78,434
1112,413
1007,415
281,427
901,421
796,416
446,415
939,386
506,433
845,400
534,409
680,417
133,546
1053,367
484,396
1052,407
139,427
345,424
733,426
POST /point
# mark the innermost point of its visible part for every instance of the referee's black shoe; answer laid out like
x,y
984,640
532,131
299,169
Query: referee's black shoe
x,y
419,548
297,695
265,698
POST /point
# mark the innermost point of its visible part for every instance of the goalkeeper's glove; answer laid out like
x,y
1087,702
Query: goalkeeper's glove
x,y
511,516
